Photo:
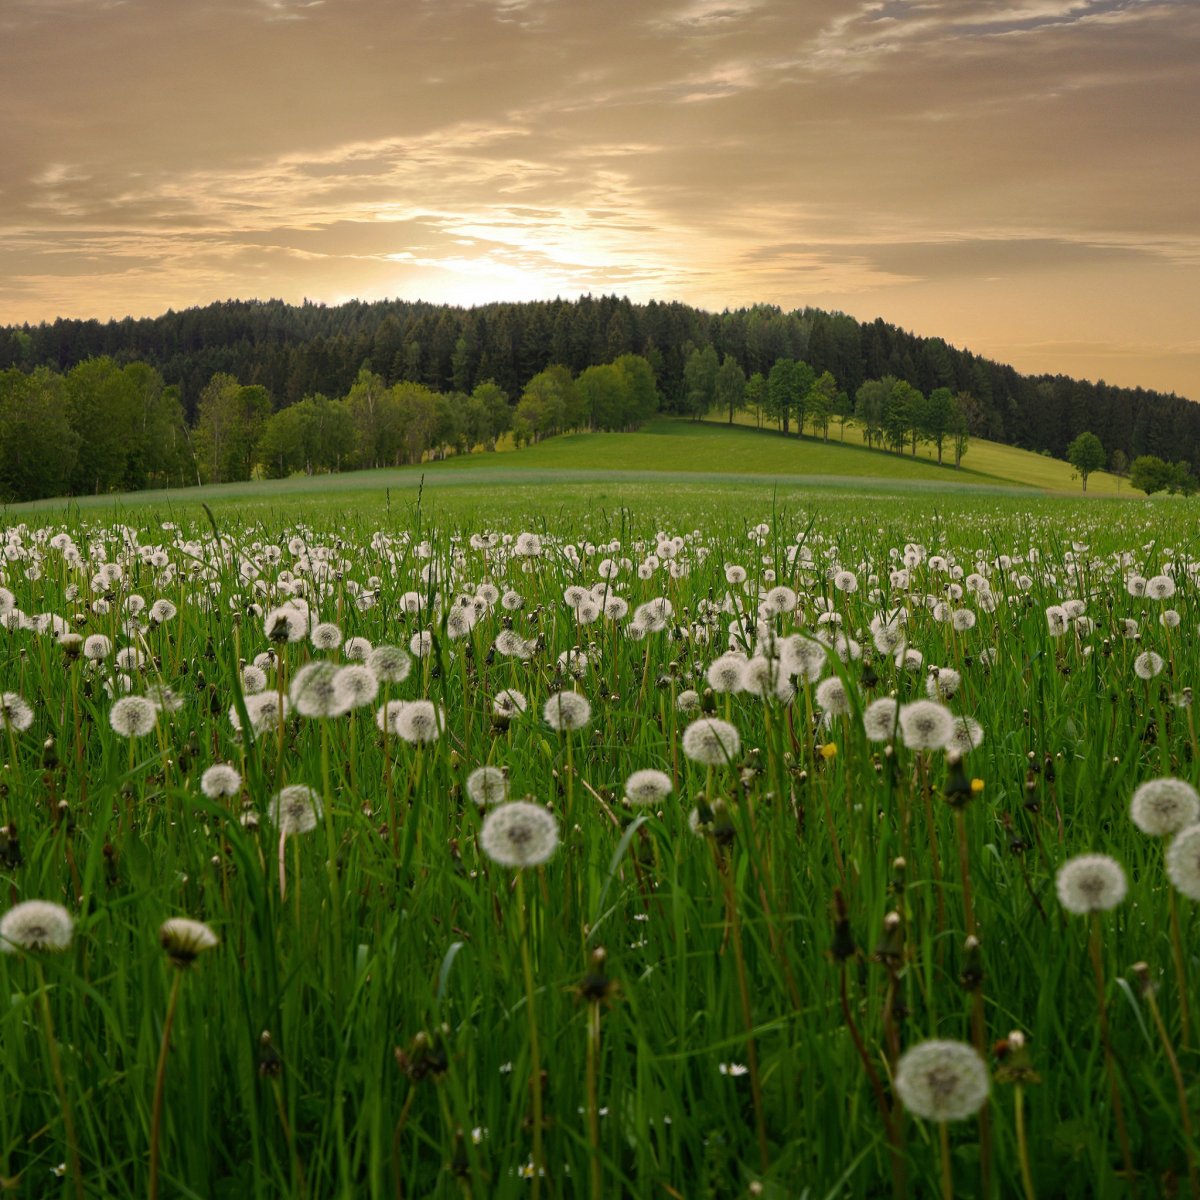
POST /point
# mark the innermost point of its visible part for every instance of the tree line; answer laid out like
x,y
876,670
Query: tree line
x,y
103,427
296,351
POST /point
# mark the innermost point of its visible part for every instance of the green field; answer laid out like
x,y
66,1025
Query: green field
x,y
696,461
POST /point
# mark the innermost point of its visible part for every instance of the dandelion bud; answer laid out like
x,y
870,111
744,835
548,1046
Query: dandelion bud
x,y
971,975
49,754
890,947
1141,972
270,1065
843,938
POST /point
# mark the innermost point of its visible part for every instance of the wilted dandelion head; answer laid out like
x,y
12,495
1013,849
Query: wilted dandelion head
x,y
420,721
942,1080
355,685
326,636
313,692
711,742
185,940
879,719
1183,862
1147,664
832,696
518,834
36,925
391,664
287,623
926,725
566,711
509,703
220,780
133,716
1163,806
295,809
487,785
1090,883
15,714
647,786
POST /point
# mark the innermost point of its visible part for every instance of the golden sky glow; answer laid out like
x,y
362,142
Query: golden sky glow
x,y
1020,177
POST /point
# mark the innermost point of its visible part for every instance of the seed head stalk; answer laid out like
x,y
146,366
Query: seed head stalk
x,y
60,1085
535,1058
160,1079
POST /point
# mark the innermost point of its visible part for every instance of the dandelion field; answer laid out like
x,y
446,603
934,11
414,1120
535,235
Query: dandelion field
x,y
702,847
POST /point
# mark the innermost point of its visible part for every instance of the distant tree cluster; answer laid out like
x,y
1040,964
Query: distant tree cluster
x,y
101,427
700,362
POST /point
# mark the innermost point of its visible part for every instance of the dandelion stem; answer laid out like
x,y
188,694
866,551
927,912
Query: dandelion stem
x,y
535,1059
1185,1019
947,1173
1022,1142
1109,1059
593,1056
59,1083
160,1079
1180,1091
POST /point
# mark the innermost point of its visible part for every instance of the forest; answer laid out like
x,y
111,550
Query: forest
x,y
237,388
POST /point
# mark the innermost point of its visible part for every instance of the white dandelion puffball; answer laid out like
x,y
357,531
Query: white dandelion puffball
x,y
356,649
647,786
832,696
266,710
15,714
1090,883
967,736
391,664
220,780
185,940
487,785
1163,806
254,679
879,719
1147,664
313,693
36,925
942,683
295,809
326,636
926,725
942,1080
566,711
1160,587
509,703
356,685
1183,862
688,701
727,673
518,834
711,742
133,716
420,721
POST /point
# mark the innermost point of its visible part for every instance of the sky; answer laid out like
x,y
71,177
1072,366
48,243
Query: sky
x,y
1019,177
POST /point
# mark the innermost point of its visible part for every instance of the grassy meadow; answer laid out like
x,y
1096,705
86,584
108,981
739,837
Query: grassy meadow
x,y
748,885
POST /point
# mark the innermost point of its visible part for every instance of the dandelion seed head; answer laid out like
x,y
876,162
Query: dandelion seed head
x,y
647,786
487,785
295,809
391,664
1090,883
509,703
420,722
711,741
36,925
355,685
326,636
518,834
926,725
133,716
566,711
1147,664
942,1080
15,713
185,940
1183,862
832,697
313,693
1163,806
220,780
879,719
